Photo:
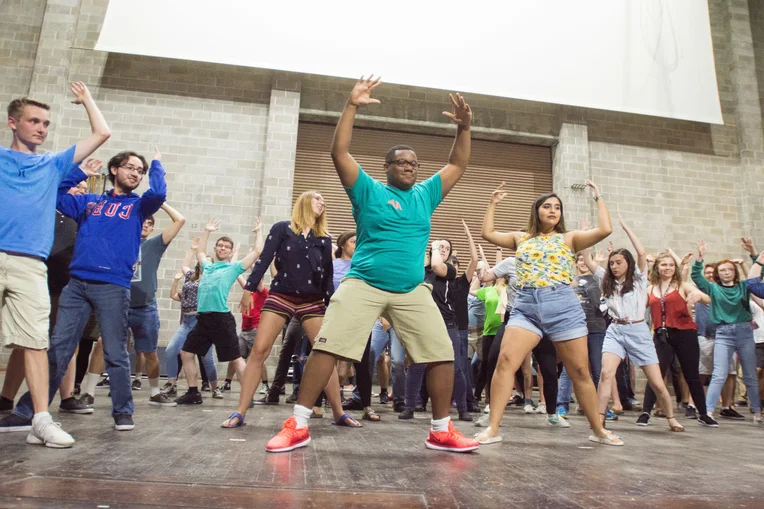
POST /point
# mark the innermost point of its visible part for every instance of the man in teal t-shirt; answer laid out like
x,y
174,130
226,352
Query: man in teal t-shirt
x,y
215,324
387,273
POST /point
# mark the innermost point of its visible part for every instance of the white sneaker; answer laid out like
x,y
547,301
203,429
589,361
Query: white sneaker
x,y
487,409
484,421
554,420
528,409
45,431
541,409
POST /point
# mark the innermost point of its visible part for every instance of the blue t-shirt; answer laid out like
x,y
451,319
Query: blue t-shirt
x,y
29,188
216,282
392,231
341,268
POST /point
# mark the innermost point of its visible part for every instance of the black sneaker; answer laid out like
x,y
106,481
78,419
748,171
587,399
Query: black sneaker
x,y
643,419
691,412
741,403
398,407
6,405
226,386
352,404
407,413
420,408
190,398
465,415
264,387
74,406
123,422
282,392
265,400
474,408
205,387
731,413
707,420
136,385
103,383
161,399
14,423
292,398
77,390
384,399
517,401
87,400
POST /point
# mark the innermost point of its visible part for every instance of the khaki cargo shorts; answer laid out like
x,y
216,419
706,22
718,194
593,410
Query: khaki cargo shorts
x,y
354,308
25,302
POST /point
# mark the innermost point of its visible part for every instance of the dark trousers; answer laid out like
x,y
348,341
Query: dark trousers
x,y
623,380
684,345
482,378
291,339
546,356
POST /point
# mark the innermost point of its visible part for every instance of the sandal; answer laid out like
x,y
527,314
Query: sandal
x,y
486,440
675,427
317,415
371,415
347,422
240,422
610,439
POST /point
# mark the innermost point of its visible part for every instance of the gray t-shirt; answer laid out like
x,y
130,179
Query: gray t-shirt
x,y
590,296
507,268
143,286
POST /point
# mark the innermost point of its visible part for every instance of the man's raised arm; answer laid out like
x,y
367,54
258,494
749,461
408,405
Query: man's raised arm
x,y
460,151
99,129
346,166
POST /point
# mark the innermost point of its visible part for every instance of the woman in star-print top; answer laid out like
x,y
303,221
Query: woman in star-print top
x,y
302,249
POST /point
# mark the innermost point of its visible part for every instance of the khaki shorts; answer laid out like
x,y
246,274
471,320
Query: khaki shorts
x,y
354,308
25,302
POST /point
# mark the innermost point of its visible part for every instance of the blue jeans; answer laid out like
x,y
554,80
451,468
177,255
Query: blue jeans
x,y
176,344
416,374
379,341
461,355
144,323
110,304
731,338
595,340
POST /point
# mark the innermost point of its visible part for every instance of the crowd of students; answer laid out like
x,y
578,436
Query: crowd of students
x,y
581,321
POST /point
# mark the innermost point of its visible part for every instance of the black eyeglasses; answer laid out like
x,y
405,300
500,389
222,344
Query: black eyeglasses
x,y
402,163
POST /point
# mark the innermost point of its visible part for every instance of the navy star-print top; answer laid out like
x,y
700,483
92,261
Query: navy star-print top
x,y
304,264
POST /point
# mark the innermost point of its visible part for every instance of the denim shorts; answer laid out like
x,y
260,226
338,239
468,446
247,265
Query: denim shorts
x,y
553,311
144,325
632,339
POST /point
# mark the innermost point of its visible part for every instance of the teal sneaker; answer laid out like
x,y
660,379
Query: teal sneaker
x,y
562,412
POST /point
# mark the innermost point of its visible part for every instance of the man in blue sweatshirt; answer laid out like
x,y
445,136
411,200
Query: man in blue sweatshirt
x,y
106,249
28,186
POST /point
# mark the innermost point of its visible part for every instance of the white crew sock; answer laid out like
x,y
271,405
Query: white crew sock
x,y
41,416
154,384
302,415
440,424
90,383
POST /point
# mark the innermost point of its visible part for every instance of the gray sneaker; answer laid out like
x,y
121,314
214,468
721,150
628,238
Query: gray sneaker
x,y
75,406
161,400
484,420
87,399
217,393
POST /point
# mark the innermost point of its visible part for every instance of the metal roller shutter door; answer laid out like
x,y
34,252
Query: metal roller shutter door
x,y
526,169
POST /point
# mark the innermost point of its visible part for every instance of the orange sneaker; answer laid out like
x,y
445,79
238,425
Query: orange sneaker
x,y
289,438
450,440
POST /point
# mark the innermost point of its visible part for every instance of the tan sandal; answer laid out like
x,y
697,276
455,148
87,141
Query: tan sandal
x,y
370,415
674,427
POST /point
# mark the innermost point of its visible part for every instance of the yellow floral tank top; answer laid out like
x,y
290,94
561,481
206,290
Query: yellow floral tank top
x,y
543,261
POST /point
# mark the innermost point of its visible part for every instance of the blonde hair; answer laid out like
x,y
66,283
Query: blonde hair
x,y
655,272
501,284
303,215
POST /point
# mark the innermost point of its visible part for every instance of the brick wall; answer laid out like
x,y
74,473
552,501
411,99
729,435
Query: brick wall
x,y
228,133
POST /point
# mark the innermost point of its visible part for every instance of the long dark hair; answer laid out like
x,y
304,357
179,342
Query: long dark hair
x,y
342,241
534,223
609,282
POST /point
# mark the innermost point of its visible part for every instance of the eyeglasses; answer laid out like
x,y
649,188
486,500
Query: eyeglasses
x,y
130,167
402,163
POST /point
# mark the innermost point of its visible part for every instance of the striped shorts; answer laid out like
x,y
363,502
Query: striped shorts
x,y
290,306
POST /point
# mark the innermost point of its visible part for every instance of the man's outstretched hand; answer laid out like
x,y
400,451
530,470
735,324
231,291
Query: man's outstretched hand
x,y
361,94
462,114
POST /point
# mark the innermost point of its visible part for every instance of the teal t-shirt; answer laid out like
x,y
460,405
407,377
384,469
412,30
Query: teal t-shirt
x,y
217,278
392,231
490,296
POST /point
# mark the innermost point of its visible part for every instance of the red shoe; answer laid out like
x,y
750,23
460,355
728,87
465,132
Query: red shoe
x,y
450,440
289,438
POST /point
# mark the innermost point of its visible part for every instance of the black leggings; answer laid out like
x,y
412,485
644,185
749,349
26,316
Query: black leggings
x,y
546,356
683,344
363,370
482,378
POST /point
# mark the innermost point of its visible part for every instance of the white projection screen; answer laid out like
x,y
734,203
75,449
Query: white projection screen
x,y
653,57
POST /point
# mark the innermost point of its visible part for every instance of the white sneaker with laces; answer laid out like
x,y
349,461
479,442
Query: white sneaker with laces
x,y
487,409
554,420
541,409
528,409
484,421
45,431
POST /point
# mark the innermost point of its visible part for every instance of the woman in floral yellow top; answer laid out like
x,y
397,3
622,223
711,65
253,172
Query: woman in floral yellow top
x,y
546,304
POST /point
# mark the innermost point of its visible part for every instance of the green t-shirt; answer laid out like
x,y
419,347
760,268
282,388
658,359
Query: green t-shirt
x,y
217,278
490,296
392,231
729,304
